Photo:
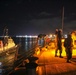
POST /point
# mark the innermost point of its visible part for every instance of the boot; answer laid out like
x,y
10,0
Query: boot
x,y
60,56
56,55
68,61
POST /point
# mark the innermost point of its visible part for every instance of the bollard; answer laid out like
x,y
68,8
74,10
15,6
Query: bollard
x,y
31,68
32,59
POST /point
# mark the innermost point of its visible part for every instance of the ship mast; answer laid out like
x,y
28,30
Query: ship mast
x,y
5,31
5,35
63,21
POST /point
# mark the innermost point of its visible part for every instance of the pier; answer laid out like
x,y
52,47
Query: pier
x,y
48,64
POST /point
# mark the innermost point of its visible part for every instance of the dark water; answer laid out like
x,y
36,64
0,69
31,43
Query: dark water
x,y
26,43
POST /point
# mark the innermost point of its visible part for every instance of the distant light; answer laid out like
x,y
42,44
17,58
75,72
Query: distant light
x,y
51,35
30,36
65,36
18,36
27,36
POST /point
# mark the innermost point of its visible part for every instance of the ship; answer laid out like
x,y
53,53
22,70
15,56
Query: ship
x,y
7,44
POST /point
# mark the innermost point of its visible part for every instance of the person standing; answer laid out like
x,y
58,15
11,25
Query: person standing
x,y
59,44
56,40
68,47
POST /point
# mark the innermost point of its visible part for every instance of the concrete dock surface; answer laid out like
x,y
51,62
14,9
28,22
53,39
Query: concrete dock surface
x,y
51,65
48,64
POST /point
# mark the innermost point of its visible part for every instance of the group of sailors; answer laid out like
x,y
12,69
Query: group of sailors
x,y
67,44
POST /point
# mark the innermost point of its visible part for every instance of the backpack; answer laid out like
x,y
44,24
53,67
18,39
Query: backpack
x,y
68,43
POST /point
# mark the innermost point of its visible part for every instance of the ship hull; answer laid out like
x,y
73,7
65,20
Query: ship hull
x,y
7,59
9,51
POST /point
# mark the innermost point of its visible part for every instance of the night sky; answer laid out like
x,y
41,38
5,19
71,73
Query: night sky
x,y
32,17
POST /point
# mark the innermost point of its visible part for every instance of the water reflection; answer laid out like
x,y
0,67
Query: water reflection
x,y
28,43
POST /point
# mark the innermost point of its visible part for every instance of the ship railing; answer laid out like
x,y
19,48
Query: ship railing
x,y
24,56
18,61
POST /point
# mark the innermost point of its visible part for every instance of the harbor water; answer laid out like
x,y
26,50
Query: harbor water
x,y
26,45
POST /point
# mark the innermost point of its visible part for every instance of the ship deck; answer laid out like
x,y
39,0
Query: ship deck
x,y
48,64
